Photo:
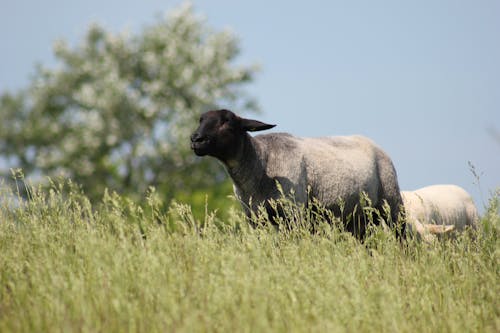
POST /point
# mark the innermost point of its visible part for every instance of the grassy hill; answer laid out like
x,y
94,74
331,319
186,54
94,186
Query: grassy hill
x,y
67,265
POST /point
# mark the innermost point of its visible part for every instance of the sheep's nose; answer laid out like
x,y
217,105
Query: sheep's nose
x,y
196,137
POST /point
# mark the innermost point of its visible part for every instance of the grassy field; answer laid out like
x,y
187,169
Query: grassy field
x,y
66,265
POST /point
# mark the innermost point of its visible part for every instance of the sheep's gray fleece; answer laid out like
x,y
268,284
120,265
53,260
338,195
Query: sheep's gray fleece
x,y
333,167
439,209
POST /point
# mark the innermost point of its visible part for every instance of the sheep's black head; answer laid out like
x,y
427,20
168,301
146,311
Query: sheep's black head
x,y
221,132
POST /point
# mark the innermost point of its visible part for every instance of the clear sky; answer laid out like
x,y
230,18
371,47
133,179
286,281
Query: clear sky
x,y
421,78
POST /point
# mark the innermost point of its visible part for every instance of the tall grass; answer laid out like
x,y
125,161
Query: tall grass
x,y
67,265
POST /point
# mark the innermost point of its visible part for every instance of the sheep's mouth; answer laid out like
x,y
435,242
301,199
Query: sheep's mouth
x,y
201,147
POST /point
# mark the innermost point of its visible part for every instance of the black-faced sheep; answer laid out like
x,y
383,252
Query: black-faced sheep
x,y
328,169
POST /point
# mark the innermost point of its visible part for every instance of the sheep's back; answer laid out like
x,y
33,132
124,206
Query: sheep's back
x,y
332,166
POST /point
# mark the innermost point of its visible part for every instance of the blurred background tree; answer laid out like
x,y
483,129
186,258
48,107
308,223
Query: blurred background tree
x,y
118,111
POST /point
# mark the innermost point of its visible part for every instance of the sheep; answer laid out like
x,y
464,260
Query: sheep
x,y
333,170
438,210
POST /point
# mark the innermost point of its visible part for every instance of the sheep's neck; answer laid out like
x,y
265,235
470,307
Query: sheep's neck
x,y
246,169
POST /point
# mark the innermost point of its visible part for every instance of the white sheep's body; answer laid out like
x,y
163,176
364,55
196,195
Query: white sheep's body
x,y
449,206
332,167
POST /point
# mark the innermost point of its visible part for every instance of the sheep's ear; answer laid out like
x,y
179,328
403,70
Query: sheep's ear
x,y
439,229
254,125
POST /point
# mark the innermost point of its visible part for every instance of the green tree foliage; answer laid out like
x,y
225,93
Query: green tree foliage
x,y
118,110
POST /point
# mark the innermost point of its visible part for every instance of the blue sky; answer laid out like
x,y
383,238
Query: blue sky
x,y
421,78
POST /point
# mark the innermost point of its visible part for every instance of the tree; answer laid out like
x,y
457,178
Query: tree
x,y
118,111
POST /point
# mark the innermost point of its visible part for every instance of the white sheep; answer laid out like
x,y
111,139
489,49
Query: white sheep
x,y
328,169
439,209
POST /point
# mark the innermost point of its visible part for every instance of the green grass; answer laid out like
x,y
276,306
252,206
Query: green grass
x,y
67,265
